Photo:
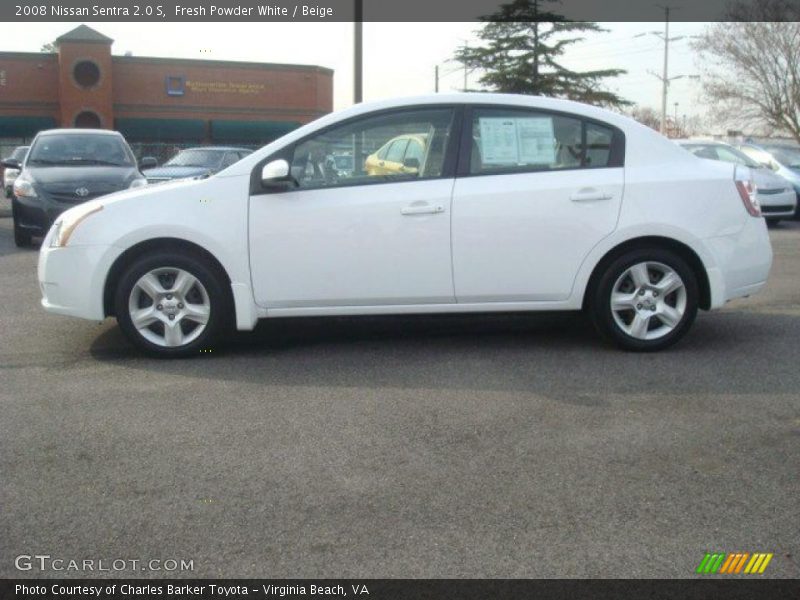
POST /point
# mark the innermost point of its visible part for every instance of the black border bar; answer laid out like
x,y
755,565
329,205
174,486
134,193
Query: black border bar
x,y
712,588
374,10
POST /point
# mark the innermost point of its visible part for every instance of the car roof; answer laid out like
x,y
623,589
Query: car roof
x,y
66,131
698,142
218,148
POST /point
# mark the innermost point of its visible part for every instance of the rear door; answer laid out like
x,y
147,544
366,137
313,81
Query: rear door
x,y
536,192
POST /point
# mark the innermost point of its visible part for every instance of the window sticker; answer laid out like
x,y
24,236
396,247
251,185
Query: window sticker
x,y
499,145
536,141
517,141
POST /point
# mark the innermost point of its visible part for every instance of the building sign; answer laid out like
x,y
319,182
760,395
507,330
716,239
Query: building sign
x,y
176,86
224,87
2,77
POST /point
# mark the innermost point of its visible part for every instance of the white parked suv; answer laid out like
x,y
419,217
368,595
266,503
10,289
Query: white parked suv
x,y
504,203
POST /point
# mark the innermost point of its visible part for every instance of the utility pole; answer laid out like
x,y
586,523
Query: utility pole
x,y
465,77
436,79
358,62
664,77
677,124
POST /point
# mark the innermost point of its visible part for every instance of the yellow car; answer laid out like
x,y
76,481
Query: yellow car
x,y
401,155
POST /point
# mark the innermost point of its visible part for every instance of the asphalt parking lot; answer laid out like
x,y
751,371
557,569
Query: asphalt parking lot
x,y
505,446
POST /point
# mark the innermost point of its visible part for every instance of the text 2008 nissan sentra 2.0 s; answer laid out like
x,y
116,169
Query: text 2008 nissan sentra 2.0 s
x,y
511,204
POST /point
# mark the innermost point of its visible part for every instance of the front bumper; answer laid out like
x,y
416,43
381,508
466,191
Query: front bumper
x,y
781,205
38,214
72,278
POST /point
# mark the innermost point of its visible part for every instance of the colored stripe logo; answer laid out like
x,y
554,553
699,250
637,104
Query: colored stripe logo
x,y
734,563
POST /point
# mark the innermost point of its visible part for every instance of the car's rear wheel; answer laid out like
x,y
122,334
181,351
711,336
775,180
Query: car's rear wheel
x,y
172,305
645,300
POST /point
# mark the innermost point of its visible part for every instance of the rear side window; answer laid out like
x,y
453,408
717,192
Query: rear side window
x,y
510,140
598,145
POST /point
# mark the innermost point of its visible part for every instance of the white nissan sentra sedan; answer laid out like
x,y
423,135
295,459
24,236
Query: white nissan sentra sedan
x,y
480,203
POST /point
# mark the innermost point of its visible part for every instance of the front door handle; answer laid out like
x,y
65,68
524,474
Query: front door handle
x,y
590,195
422,209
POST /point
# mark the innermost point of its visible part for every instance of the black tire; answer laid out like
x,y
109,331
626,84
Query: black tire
x,y
22,237
215,283
772,221
599,299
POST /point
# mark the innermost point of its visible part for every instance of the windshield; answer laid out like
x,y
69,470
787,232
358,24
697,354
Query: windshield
x,y
195,158
19,153
786,155
80,149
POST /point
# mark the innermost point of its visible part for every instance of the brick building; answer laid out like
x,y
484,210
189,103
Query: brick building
x,y
176,101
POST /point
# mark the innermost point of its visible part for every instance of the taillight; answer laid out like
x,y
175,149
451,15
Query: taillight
x,y
747,192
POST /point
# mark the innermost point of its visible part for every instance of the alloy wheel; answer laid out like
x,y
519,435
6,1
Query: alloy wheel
x,y
648,300
169,307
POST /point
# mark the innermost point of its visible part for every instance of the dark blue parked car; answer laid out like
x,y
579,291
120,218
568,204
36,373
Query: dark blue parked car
x,y
194,162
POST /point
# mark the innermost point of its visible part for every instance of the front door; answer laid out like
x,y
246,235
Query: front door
x,y
348,237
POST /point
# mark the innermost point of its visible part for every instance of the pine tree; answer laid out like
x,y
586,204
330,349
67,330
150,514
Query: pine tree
x,y
522,45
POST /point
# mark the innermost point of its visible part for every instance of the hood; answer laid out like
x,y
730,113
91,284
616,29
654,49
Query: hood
x,y
147,190
170,172
82,175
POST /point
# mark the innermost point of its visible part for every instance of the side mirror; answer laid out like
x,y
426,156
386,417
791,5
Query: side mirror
x,y
148,162
411,163
275,172
11,163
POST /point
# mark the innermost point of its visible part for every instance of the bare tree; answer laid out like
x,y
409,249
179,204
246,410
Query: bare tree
x,y
646,116
751,66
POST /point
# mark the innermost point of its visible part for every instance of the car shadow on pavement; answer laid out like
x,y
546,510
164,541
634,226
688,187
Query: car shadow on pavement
x,y
556,354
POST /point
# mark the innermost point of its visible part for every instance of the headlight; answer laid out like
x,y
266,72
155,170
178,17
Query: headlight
x,y
66,224
140,182
23,188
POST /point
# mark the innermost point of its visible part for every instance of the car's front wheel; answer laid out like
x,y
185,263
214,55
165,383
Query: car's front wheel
x,y
645,300
172,305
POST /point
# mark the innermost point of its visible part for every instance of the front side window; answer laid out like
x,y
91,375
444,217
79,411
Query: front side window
x,y
84,149
374,149
510,140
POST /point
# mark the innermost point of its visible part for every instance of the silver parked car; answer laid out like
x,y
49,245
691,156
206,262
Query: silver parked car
x,y
775,194
782,158
10,174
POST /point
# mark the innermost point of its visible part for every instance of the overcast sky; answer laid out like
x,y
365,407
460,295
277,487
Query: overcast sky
x,y
399,58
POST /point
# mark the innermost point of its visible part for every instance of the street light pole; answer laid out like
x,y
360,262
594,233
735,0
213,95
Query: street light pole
x,y
358,55
677,125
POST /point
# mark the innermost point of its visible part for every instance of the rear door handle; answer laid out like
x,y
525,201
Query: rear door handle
x,y
422,209
590,195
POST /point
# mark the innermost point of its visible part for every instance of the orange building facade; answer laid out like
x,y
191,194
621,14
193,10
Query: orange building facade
x,y
152,99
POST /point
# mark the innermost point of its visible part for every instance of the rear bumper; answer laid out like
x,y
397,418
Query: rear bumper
x,y
742,262
72,279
